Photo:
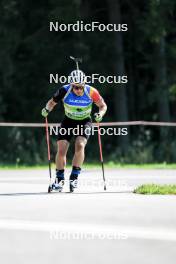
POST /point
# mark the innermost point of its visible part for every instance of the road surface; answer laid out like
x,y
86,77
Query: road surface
x,y
90,225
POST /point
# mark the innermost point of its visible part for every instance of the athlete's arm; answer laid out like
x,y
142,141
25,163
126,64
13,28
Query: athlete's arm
x,y
48,108
59,95
99,101
50,105
102,106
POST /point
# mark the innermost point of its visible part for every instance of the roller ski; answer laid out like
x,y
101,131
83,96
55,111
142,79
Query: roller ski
x,y
55,187
59,182
74,178
73,185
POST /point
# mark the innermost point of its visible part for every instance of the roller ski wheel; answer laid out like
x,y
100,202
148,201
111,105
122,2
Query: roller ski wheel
x,y
73,185
57,187
71,188
50,189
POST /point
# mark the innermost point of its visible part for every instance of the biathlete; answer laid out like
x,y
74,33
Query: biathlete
x,y
77,98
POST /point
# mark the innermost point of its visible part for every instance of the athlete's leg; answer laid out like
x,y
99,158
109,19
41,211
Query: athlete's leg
x,y
77,162
78,158
63,146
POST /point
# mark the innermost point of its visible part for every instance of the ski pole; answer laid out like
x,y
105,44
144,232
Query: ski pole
x,y
48,147
101,155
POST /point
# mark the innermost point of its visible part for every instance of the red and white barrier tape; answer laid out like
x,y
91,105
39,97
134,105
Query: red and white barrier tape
x,y
128,123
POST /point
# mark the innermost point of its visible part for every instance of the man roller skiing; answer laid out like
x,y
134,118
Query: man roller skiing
x,y
77,98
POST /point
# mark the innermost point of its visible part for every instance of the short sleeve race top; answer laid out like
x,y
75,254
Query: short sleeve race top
x,y
77,107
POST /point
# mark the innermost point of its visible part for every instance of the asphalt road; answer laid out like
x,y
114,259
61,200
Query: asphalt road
x,y
90,225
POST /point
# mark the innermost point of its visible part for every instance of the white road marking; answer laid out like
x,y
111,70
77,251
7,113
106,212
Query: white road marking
x,y
97,230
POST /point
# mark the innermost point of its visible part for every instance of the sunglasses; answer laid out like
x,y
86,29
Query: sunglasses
x,y
77,87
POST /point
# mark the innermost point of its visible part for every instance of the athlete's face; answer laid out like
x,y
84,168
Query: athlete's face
x,y
78,89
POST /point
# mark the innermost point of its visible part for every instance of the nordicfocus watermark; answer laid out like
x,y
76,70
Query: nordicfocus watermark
x,y
89,79
81,130
113,183
88,235
88,27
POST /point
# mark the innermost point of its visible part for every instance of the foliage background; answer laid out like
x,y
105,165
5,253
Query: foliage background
x,y
146,53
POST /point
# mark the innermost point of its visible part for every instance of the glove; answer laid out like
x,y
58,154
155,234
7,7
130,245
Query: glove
x,y
44,112
98,117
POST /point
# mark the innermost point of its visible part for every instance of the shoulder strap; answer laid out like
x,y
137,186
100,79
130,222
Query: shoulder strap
x,y
68,92
86,91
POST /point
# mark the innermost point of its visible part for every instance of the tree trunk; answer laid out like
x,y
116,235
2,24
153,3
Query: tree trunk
x,y
161,82
162,87
120,98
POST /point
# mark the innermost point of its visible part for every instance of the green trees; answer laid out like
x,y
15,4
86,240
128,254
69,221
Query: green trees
x,y
146,53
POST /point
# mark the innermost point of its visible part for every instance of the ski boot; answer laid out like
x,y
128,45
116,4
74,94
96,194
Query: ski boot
x,y
59,181
74,178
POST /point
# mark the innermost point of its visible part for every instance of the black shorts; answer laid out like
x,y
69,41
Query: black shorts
x,y
73,128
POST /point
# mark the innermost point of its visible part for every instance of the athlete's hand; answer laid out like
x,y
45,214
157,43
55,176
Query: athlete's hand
x,y
44,112
98,117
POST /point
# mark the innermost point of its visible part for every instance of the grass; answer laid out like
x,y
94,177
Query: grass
x,y
156,189
111,165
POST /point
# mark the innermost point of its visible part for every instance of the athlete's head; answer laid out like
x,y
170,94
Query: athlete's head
x,y
77,80
78,89
77,76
